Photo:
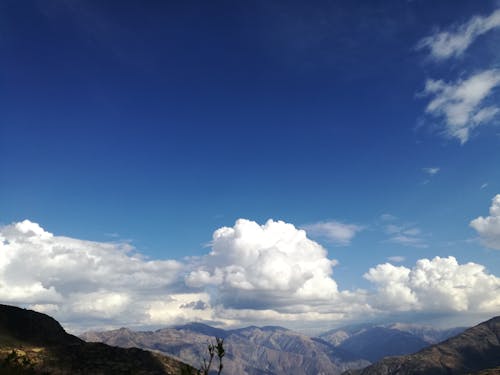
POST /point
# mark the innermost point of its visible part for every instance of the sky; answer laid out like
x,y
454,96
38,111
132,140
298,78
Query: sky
x,y
295,163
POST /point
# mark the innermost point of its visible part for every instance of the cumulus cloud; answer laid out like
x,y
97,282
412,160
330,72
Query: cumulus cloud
x,y
437,285
488,227
265,266
454,42
333,231
461,105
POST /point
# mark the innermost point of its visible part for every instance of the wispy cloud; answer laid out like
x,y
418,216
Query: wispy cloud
x,y
396,259
406,235
431,171
333,231
461,105
406,240
387,217
454,42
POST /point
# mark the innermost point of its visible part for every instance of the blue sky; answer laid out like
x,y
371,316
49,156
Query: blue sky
x,y
149,125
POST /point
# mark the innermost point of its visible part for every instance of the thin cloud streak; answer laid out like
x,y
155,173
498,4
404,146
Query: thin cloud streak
x,y
333,231
454,43
431,171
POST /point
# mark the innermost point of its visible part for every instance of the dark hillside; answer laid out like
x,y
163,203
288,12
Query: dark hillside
x,y
34,343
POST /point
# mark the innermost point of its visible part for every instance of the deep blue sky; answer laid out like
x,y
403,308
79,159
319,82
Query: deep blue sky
x,y
158,122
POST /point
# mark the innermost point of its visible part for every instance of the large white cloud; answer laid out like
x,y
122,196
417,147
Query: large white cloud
x,y
265,266
489,227
461,105
454,42
437,285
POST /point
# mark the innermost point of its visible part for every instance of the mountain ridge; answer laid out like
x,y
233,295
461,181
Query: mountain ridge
x,y
250,350
476,350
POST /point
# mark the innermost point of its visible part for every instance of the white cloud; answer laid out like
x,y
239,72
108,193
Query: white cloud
x,y
437,285
461,105
396,259
265,266
488,227
333,231
454,42
431,171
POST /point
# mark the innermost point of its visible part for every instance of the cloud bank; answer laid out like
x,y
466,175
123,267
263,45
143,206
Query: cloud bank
x,y
454,42
254,274
73,279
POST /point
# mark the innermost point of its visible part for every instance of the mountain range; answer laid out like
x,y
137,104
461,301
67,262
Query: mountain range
x,y
277,350
250,350
34,343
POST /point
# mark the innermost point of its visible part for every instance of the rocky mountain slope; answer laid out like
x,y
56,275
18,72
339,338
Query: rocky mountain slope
x,y
251,350
477,350
34,343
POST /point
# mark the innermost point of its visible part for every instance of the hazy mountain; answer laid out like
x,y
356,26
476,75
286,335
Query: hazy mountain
x,y
428,334
379,342
251,350
338,335
374,342
477,350
35,343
